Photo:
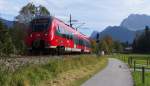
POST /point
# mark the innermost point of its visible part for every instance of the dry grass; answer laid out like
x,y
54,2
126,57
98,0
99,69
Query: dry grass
x,y
71,77
57,72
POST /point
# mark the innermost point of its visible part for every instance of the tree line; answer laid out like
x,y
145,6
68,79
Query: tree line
x,y
106,44
141,43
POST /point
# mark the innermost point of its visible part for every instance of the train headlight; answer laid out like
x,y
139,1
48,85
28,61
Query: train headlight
x,y
31,35
46,34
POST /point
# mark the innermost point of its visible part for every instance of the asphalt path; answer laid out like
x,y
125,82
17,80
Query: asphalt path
x,y
116,73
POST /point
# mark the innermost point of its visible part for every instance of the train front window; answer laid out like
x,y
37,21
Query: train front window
x,y
39,25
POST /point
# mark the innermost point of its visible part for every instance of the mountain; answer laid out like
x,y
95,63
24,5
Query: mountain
x,y
136,22
129,27
119,33
94,34
7,22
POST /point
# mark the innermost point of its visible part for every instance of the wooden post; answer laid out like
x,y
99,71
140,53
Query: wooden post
x,y
134,65
131,61
128,61
124,59
147,61
143,75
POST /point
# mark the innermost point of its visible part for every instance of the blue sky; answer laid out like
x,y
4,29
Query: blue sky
x,y
96,14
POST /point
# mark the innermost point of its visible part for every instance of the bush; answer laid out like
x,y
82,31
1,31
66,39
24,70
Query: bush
x,y
6,44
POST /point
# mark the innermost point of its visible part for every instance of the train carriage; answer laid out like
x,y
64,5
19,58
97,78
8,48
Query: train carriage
x,y
50,33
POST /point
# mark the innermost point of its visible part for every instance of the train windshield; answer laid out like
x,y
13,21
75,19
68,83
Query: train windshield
x,y
40,25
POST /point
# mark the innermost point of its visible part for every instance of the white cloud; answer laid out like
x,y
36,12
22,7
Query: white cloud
x,y
9,9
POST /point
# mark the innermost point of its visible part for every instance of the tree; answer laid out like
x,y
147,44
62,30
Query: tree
x,y
20,28
6,45
26,14
141,43
93,46
109,42
43,11
18,33
106,44
118,46
103,46
30,11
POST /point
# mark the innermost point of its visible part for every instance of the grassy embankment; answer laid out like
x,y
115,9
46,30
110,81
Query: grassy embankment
x,y
66,71
140,61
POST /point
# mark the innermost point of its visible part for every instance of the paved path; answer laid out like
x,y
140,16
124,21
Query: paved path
x,y
115,74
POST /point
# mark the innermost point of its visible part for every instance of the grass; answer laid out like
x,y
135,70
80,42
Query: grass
x,y
96,69
32,75
80,81
138,78
141,61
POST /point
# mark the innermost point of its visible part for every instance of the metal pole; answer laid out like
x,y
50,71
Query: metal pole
x,y
70,20
97,42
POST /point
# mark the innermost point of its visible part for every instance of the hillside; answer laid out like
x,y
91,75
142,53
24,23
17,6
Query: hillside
x,y
136,22
7,22
118,33
93,35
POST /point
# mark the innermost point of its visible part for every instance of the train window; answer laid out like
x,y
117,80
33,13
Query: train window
x,y
80,41
76,41
58,31
71,36
62,30
66,34
41,24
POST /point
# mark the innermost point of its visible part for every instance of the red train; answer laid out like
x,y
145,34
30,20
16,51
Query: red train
x,y
53,35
